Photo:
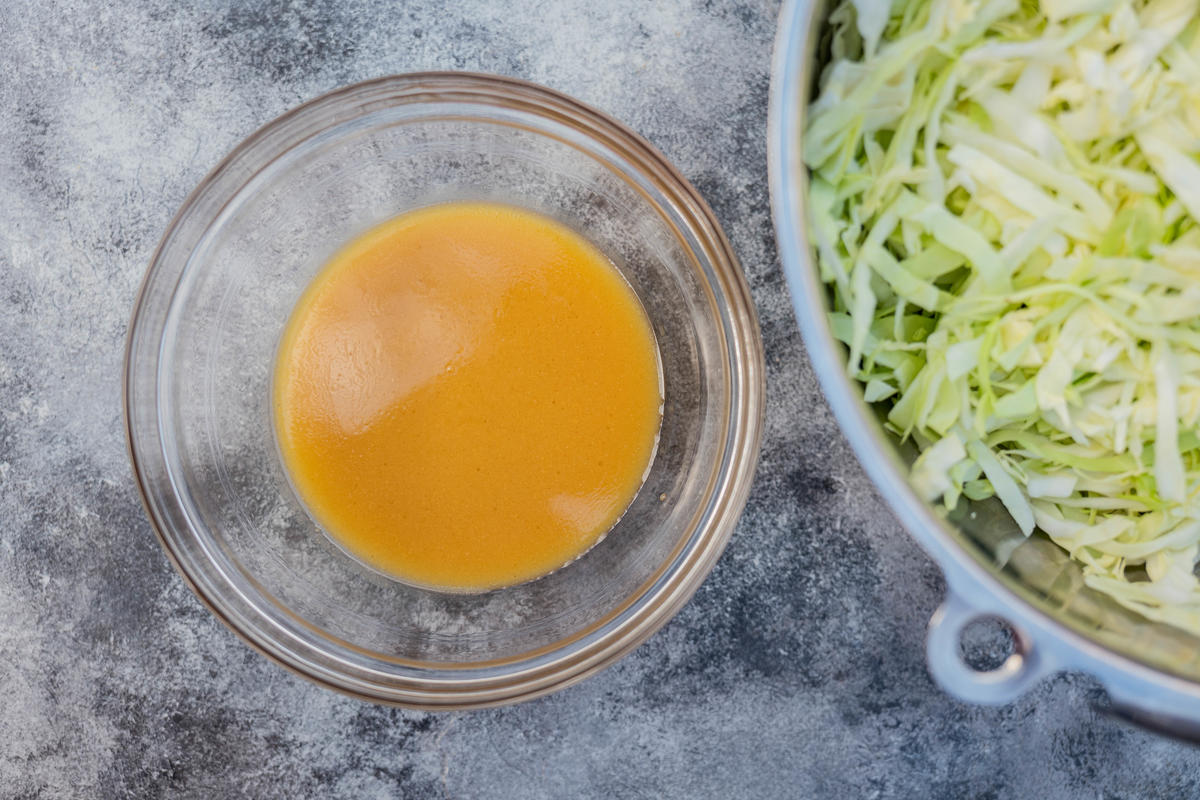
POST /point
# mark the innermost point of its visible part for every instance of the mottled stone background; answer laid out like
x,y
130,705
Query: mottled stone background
x,y
795,672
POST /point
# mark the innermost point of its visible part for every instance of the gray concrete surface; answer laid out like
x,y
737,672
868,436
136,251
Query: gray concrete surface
x,y
795,672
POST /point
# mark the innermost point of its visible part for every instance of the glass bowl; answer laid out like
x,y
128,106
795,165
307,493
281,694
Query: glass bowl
x,y
215,300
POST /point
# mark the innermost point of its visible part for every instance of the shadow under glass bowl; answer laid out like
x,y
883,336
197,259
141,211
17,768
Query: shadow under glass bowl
x,y
220,289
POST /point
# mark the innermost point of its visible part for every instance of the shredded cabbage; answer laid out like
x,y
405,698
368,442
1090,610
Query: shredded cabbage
x,y
1005,197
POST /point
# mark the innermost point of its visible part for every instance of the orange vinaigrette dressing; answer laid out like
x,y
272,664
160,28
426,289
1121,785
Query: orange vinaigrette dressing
x,y
467,396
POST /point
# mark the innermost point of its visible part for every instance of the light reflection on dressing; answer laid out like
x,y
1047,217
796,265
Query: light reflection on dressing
x,y
584,512
467,396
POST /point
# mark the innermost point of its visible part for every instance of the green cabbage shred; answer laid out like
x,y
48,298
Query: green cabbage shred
x,y
1004,199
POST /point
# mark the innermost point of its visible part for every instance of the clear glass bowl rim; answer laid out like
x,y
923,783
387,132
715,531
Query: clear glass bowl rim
x,y
743,349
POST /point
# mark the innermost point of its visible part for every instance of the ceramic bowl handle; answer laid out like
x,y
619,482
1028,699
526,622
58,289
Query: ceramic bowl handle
x,y
1021,670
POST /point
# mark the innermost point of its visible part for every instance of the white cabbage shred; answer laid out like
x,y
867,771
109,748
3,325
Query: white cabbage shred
x,y
1005,198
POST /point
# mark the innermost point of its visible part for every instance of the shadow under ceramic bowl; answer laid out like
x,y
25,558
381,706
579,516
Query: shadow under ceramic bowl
x,y
219,292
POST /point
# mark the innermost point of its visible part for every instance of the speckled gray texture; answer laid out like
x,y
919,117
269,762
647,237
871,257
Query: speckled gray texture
x,y
795,672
